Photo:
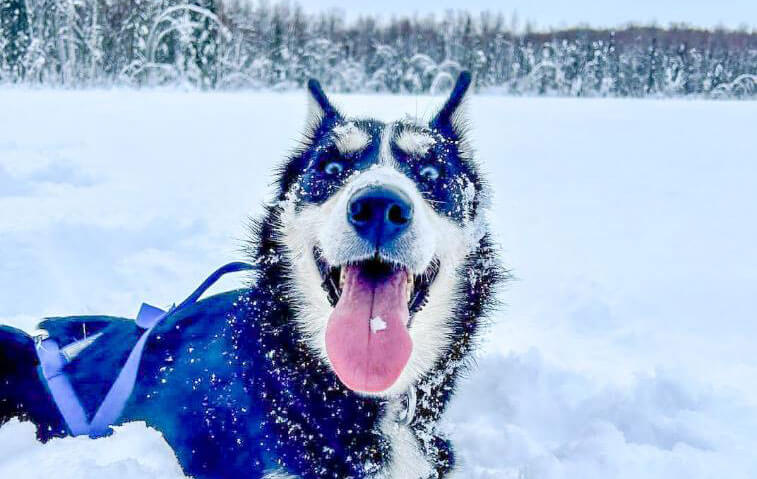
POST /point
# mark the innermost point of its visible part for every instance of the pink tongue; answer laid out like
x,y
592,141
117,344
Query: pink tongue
x,y
367,340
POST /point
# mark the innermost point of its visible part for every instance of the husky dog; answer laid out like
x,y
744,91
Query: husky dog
x,y
375,273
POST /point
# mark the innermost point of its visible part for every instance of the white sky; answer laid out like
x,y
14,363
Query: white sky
x,y
559,13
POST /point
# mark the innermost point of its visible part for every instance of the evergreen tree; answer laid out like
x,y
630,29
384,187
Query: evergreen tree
x,y
14,37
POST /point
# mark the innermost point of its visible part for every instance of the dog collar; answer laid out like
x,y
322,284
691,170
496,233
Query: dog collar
x,y
406,413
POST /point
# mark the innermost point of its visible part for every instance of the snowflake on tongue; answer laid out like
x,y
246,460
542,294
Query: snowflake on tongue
x,y
377,324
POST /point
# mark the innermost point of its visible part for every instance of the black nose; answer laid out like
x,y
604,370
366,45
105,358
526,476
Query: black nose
x,y
379,214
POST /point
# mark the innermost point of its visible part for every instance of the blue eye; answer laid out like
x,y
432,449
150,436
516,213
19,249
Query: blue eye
x,y
430,172
333,168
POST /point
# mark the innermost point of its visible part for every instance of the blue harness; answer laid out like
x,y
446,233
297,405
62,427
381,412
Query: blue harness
x,y
53,359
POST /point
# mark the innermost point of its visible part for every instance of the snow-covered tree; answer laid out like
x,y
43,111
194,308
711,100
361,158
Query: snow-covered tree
x,y
14,38
274,44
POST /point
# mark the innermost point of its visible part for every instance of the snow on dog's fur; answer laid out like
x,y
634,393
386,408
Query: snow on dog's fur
x,y
375,273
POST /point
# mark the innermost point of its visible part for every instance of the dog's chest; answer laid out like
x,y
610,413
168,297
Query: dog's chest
x,y
407,460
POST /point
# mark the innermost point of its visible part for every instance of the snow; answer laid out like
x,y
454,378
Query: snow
x,y
132,452
377,324
625,346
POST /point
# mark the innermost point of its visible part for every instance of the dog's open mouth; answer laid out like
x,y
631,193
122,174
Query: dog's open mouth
x,y
367,337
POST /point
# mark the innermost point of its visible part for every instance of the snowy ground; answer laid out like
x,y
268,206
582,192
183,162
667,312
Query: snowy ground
x,y
626,346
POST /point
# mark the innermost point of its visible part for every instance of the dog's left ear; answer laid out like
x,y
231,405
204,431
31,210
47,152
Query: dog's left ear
x,y
450,121
319,105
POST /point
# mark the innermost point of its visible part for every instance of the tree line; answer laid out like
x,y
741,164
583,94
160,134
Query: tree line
x,y
227,44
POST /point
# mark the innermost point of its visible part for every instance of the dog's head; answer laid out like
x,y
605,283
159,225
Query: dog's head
x,y
377,220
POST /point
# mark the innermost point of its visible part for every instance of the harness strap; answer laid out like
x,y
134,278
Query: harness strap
x,y
52,362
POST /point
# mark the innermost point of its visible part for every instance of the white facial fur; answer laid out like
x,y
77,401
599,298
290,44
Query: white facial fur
x,y
415,142
431,235
348,138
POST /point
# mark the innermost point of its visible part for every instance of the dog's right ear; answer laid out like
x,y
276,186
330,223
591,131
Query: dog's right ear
x,y
319,105
451,121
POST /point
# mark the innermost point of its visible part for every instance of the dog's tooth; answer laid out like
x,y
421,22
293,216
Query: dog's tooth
x,y
342,277
410,288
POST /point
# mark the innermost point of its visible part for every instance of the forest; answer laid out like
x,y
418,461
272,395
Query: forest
x,y
246,44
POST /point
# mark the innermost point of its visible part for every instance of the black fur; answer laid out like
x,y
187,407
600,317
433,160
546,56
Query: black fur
x,y
22,392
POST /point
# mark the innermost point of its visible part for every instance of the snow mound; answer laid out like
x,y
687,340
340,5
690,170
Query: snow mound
x,y
134,451
536,420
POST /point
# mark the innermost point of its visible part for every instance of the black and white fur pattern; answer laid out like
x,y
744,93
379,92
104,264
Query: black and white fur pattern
x,y
432,235
458,244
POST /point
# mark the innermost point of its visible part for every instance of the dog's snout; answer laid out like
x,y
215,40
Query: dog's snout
x,y
379,214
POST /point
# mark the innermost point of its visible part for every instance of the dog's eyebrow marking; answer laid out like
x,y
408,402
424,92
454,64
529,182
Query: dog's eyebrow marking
x,y
348,138
415,142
